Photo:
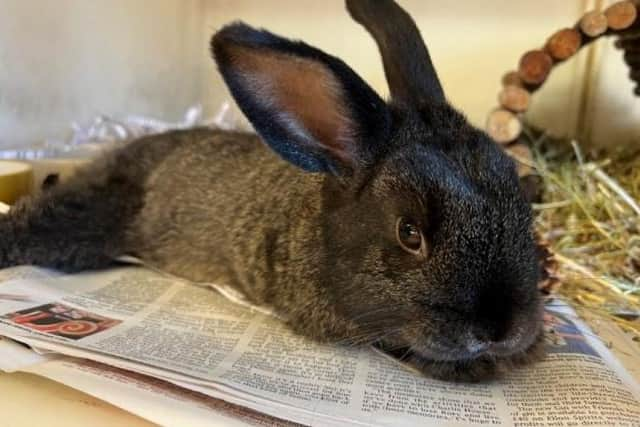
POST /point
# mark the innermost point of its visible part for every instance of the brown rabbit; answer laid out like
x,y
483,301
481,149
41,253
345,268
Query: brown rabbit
x,y
357,220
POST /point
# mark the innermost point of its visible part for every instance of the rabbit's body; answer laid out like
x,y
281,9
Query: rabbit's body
x,y
390,223
222,208
180,202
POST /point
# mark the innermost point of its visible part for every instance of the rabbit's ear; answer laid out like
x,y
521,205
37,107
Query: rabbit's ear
x,y
310,107
412,79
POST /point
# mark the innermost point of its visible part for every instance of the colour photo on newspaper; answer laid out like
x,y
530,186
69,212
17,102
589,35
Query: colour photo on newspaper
x,y
144,322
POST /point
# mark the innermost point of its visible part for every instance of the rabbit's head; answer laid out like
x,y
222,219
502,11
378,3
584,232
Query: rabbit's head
x,y
428,246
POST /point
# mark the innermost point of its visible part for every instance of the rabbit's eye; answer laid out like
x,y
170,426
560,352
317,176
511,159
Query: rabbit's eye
x,y
409,236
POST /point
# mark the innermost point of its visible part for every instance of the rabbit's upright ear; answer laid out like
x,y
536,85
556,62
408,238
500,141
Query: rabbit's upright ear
x,y
413,81
310,107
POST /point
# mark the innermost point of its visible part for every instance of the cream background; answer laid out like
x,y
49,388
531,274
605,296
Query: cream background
x,y
28,400
69,60
612,114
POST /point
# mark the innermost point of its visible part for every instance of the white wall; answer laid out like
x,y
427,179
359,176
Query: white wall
x,y
472,44
66,60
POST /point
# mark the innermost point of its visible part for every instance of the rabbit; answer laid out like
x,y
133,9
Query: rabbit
x,y
358,221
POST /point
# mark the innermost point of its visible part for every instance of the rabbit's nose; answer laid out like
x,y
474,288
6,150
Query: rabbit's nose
x,y
494,314
491,333
477,347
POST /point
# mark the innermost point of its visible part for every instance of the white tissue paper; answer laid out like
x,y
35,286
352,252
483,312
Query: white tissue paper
x,y
104,131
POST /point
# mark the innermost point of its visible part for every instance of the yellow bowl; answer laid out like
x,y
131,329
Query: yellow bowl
x,y
16,180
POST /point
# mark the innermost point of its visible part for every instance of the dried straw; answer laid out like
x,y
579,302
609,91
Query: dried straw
x,y
590,215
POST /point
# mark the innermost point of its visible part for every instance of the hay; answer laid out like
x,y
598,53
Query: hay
x,y
590,216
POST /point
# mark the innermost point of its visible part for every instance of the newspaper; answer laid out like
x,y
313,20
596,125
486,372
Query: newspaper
x,y
168,343
153,399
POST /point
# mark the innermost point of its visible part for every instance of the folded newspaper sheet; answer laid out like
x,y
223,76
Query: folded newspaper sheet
x,y
180,354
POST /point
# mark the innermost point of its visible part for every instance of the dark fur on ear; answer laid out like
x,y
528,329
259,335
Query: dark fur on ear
x,y
412,79
310,107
